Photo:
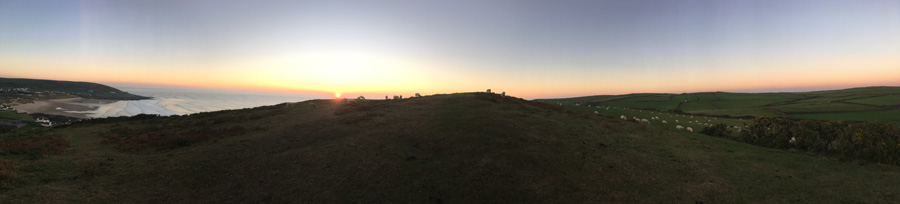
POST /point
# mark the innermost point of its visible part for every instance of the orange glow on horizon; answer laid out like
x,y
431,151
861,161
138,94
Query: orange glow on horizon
x,y
407,78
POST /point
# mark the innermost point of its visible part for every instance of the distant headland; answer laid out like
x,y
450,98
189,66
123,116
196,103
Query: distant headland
x,y
57,97
35,88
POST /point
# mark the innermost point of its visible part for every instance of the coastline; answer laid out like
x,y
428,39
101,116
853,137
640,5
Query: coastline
x,y
163,101
72,107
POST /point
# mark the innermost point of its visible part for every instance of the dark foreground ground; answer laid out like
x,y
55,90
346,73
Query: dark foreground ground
x,y
457,148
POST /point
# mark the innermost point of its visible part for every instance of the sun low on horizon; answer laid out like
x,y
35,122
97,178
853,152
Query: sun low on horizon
x,y
529,49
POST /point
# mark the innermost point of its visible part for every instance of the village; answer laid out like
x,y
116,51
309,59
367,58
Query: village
x,y
11,119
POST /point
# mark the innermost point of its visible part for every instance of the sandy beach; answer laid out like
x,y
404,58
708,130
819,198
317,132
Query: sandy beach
x,y
71,107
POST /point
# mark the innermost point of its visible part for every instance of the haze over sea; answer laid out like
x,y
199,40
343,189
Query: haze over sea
x,y
179,101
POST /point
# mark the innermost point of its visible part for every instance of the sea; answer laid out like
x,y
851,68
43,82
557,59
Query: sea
x,y
180,101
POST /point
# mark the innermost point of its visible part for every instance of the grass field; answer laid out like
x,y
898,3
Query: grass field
x,y
739,112
697,106
457,148
645,105
846,104
15,116
888,100
826,99
822,107
879,115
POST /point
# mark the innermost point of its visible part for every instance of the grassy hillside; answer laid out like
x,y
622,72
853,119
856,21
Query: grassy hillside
x,y
80,89
457,148
7,114
847,104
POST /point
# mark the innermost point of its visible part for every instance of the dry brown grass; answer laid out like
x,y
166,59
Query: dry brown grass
x,y
7,172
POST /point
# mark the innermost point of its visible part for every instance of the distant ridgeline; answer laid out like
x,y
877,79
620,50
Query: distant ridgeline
x,y
80,89
855,104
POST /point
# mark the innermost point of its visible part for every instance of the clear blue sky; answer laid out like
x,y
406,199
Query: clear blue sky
x,y
528,48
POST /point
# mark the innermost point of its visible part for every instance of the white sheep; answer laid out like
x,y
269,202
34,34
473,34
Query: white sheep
x,y
396,97
623,117
361,98
488,91
503,94
595,112
417,95
679,127
676,121
689,129
645,121
793,140
664,122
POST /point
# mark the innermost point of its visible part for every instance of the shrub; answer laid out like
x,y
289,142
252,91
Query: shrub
x,y
720,130
874,141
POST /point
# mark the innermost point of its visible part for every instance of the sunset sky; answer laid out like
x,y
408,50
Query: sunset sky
x,y
530,49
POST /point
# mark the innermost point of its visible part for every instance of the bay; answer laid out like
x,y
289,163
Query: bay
x,y
180,101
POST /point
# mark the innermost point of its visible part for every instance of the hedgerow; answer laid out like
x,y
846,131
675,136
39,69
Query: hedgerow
x,y
873,141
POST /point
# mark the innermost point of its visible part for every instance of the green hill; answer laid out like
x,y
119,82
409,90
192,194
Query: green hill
x,y
80,89
855,104
456,148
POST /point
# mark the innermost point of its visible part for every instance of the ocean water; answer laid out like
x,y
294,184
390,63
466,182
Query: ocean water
x,y
179,101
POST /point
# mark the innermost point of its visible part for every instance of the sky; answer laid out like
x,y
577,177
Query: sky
x,y
527,48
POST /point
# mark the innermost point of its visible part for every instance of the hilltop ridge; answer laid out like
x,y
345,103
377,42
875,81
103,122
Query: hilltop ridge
x,y
878,103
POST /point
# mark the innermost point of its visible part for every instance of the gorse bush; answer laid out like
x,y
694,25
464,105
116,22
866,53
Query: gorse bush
x,y
874,141
720,130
